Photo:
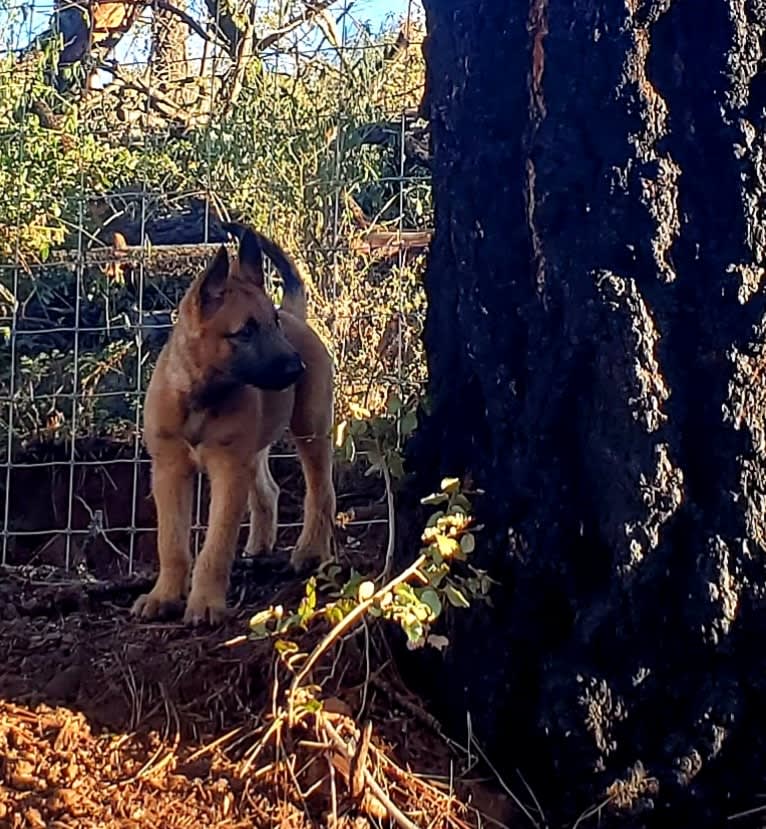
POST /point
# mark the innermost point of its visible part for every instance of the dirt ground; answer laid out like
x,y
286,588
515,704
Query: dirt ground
x,y
109,722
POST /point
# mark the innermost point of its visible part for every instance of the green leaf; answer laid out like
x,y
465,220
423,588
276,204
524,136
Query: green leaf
x,y
350,588
459,500
431,599
284,624
468,543
394,404
259,632
455,597
396,466
450,485
408,423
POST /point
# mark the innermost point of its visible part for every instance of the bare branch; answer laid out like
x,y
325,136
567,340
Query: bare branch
x,y
312,10
161,103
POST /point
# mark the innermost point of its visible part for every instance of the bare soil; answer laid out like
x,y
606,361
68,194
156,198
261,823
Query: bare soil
x,y
109,722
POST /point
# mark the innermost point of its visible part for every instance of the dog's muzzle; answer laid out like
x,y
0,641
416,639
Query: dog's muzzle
x,y
292,369
279,374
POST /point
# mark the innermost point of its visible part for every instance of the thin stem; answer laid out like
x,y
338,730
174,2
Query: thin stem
x,y
349,620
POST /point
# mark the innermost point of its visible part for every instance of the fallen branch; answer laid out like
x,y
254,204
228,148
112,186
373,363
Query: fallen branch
x,y
393,810
385,243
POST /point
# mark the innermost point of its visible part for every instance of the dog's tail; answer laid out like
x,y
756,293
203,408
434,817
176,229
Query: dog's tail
x,y
295,297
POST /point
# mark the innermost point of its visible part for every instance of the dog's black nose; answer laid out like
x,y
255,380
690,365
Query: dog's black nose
x,y
292,368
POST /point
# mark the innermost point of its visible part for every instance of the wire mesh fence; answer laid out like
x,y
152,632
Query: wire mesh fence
x,y
129,131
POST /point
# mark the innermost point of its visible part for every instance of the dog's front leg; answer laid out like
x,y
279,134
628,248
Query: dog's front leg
x,y
172,488
228,499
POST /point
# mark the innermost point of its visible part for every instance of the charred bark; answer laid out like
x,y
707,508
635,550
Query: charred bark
x,y
596,344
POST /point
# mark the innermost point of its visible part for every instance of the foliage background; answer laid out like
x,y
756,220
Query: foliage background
x,y
305,134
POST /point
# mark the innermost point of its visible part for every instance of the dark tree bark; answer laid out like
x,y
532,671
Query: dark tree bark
x,y
596,345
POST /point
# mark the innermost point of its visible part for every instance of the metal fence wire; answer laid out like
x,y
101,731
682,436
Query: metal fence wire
x,y
129,132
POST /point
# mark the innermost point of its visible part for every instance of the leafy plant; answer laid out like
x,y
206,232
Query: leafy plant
x,y
413,600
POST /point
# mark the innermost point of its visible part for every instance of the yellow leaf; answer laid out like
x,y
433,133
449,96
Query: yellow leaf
x,y
450,485
341,433
366,591
448,547
359,412
262,617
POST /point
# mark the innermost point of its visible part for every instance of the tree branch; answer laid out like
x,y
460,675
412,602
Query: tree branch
x,y
311,11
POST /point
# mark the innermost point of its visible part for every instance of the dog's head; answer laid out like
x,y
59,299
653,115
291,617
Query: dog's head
x,y
232,327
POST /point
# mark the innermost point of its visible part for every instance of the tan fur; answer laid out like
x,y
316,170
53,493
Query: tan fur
x,y
231,442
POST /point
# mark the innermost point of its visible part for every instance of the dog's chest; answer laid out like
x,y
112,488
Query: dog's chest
x,y
203,432
243,432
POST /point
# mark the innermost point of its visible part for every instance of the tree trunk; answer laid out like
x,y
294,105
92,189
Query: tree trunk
x,y
169,49
596,344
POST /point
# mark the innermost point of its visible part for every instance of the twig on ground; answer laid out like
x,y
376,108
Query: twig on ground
x,y
408,705
393,810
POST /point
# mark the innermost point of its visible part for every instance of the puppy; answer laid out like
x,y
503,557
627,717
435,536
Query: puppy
x,y
234,375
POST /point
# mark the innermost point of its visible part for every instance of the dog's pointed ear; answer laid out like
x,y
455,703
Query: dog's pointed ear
x,y
213,284
250,253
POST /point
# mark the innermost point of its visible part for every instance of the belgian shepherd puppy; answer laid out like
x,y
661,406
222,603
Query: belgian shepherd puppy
x,y
235,374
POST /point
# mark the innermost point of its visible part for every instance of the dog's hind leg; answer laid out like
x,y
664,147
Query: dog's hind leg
x,y
229,480
172,488
317,539
263,499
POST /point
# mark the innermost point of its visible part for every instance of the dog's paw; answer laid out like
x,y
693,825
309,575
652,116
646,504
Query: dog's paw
x,y
205,609
254,549
304,559
157,605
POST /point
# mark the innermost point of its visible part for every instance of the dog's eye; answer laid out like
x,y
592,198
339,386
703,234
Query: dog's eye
x,y
248,330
